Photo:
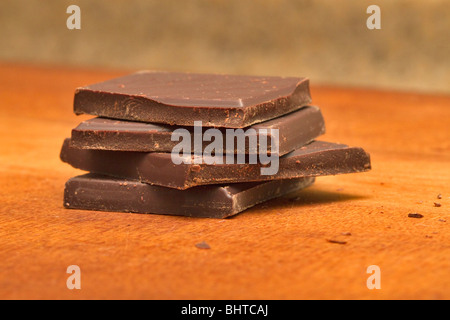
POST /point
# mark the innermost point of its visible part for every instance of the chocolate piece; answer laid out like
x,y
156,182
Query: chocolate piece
x,y
96,192
295,130
336,241
315,159
202,245
229,101
415,215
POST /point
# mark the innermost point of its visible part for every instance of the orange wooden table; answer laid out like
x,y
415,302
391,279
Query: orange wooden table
x,y
276,250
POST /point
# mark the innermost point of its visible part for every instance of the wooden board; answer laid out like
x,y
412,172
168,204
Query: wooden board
x,y
277,250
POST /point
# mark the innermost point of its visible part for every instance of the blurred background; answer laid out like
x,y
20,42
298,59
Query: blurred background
x,y
325,40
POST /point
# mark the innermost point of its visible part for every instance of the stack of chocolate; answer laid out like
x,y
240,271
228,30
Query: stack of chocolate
x,y
198,144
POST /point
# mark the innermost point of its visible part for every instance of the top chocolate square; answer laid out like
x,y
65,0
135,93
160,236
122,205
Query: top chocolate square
x,y
217,100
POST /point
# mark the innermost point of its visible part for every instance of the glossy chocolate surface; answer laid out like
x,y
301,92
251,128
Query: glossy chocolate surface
x,y
318,158
295,130
230,101
102,193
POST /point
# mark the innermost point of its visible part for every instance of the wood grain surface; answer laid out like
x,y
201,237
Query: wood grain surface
x,y
283,249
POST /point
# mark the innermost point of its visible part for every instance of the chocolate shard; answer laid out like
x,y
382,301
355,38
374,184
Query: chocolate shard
x,y
229,101
295,130
97,192
318,158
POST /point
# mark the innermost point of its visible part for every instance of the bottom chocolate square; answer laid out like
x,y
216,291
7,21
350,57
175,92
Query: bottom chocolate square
x,y
104,193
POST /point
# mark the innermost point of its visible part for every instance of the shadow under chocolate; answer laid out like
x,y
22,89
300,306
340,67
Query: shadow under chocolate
x,y
302,198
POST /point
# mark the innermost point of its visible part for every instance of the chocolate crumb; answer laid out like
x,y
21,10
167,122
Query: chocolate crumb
x,y
427,236
439,196
202,245
415,215
336,241
442,220
437,204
